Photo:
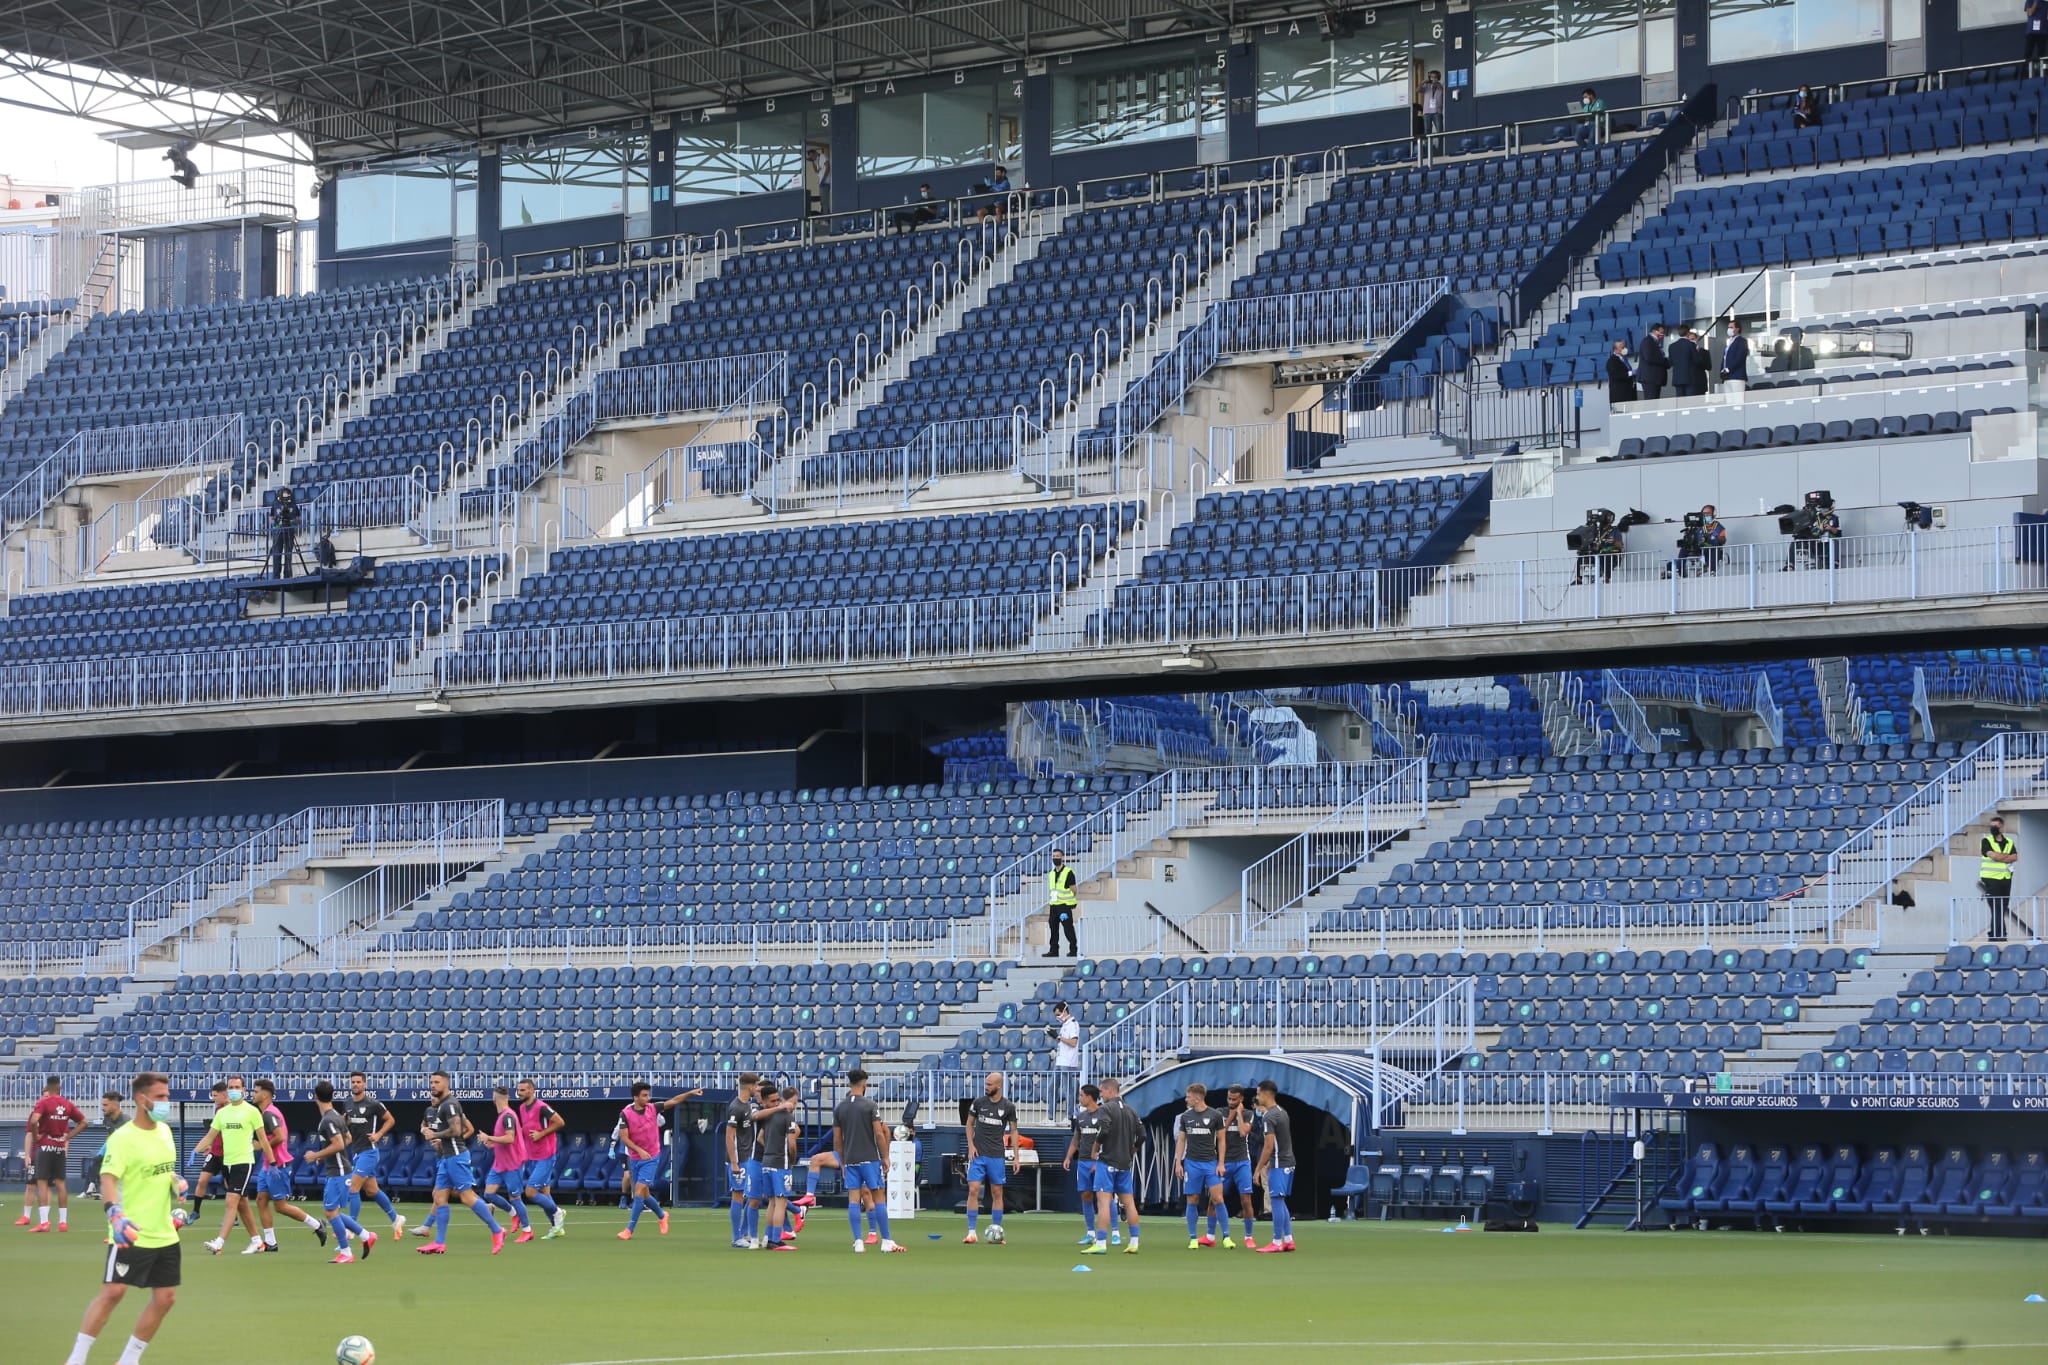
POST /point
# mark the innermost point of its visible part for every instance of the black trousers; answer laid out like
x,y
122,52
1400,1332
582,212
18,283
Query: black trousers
x,y
1998,892
1059,917
1651,388
1687,390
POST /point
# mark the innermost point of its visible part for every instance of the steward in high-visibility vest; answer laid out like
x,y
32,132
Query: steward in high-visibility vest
x,y
1062,897
1996,855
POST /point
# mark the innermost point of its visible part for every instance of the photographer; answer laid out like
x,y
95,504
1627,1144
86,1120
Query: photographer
x,y
284,533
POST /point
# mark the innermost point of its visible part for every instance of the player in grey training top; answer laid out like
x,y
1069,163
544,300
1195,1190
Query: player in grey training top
x,y
1198,1156
1242,1139
739,1149
772,1117
1276,1166
861,1142
1122,1130
991,1129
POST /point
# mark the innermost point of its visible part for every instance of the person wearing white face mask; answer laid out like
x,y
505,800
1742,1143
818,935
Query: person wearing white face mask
x,y
142,1188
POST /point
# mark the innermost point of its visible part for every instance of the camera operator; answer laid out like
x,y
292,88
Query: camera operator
x,y
1713,539
1599,546
1814,528
284,533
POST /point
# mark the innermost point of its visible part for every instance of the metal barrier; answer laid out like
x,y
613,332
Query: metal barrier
x,y
1862,869
1566,926
1630,722
1978,919
1351,835
184,443
329,832
468,835
1885,569
684,385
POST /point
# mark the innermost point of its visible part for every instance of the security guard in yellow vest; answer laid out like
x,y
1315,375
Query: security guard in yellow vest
x,y
1997,854
1063,898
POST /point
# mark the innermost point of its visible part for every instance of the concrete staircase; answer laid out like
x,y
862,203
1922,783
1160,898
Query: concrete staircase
x,y
1036,229
37,357
1444,823
1015,987
1855,994
30,1052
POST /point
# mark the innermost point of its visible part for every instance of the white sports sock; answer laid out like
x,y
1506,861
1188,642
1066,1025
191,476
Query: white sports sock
x,y
79,1349
132,1353
309,1220
42,1213
270,1237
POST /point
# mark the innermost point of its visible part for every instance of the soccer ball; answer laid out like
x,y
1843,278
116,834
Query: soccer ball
x,y
995,1233
355,1351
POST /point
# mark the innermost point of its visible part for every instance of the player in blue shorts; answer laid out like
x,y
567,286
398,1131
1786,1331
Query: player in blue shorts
x,y
1276,1166
739,1157
860,1143
1123,1132
369,1123
991,1137
1242,1137
541,1126
1198,1156
449,1129
330,1159
1084,1157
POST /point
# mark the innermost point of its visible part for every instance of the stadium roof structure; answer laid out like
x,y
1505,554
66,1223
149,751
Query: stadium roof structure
x,y
365,78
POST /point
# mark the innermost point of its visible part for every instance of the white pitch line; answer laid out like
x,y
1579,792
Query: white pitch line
x,y
1719,1351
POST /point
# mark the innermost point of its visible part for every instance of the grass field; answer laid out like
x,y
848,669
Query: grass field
x,y
1363,1292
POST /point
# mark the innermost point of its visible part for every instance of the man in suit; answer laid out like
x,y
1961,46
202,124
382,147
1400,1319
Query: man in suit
x,y
1735,362
1621,384
1688,365
1654,370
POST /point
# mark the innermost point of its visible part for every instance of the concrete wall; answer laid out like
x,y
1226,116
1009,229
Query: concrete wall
x,y
1867,479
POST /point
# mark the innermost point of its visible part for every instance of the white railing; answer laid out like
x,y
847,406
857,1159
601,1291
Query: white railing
x,y
1351,835
640,391
1972,919
1178,798
1793,922
1841,703
1280,1014
1439,1035
1128,619
1629,720
469,835
152,447
1863,868
319,832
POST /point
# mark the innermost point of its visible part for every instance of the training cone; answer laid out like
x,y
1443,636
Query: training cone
x,y
1084,1270
2034,1298
1463,1226
935,1236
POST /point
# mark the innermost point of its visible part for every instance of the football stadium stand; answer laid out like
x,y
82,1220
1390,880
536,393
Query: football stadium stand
x,y
870,546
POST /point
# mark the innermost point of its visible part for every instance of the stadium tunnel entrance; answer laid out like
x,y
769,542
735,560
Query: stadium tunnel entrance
x,y
1328,1096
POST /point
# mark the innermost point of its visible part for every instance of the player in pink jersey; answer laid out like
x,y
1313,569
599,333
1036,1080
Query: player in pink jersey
x,y
274,1172
541,1126
640,1125
508,1165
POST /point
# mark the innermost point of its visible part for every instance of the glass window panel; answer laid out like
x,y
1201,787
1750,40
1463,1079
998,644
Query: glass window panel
x,y
1909,19
1098,102
715,161
976,122
1533,44
411,203
1983,14
1304,75
1739,30
587,178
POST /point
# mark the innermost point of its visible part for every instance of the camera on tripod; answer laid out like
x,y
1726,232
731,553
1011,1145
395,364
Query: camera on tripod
x,y
1692,534
1809,520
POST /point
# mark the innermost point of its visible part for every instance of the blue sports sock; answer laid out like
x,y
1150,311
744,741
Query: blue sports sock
x,y
775,1234
547,1204
1283,1218
498,1201
1251,1229
633,1218
739,1219
1088,1212
1193,1216
384,1203
521,1212
355,1204
973,1218
811,1184
853,1217
880,1213
340,1225
996,1217
1132,1228
483,1211
753,1221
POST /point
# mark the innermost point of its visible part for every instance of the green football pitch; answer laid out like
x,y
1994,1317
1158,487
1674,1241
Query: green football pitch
x,y
1364,1292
